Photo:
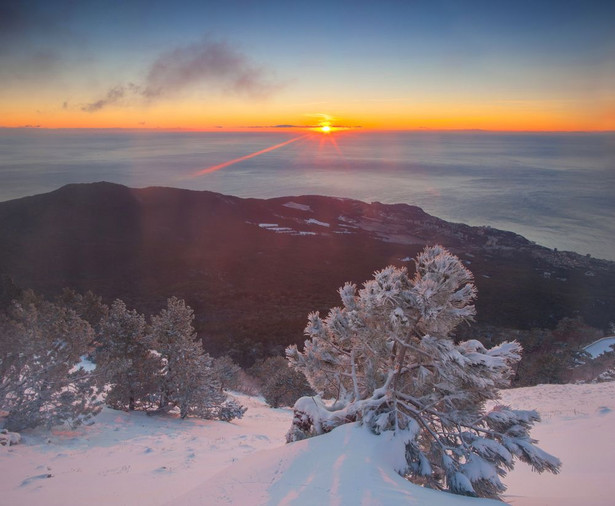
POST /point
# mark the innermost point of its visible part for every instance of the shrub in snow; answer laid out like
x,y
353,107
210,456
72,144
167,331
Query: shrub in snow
x,y
608,375
229,410
387,359
280,384
40,344
9,438
227,372
185,378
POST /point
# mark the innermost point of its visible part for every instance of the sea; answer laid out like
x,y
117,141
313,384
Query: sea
x,y
556,189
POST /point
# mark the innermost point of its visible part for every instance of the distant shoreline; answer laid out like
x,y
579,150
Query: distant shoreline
x,y
554,188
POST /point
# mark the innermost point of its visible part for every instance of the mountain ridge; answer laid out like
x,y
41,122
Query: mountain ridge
x,y
254,268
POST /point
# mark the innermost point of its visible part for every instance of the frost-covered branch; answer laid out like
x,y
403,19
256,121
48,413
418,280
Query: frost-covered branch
x,y
389,345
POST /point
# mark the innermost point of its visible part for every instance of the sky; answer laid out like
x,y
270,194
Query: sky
x,y
239,64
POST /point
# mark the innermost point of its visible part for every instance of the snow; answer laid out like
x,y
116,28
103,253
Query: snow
x,y
312,221
295,205
132,458
577,426
274,227
344,467
9,438
86,364
600,346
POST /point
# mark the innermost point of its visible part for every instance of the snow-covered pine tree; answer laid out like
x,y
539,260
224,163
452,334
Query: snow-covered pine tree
x,y
125,358
187,380
40,344
387,359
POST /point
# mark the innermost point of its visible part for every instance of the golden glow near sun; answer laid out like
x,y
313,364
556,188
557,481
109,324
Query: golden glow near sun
x,y
325,128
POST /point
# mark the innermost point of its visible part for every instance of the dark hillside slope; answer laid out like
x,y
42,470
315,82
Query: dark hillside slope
x,y
252,269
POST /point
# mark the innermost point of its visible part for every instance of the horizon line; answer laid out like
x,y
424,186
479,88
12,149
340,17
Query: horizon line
x,y
270,129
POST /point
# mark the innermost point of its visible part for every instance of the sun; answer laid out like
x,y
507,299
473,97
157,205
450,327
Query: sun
x,y
325,129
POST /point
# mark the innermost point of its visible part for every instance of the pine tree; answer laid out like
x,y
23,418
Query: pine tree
x,y
125,357
40,345
88,306
187,380
387,359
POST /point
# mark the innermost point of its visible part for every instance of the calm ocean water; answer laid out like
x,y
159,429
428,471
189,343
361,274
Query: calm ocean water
x,y
555,189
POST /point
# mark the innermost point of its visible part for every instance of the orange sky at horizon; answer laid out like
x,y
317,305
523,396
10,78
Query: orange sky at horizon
x,y
435,112
462,116
189,65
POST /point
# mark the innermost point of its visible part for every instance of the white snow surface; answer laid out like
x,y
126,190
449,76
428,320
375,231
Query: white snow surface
x,y
274,227
296,205
577,427
600,346
348,466
133,459
86,364
312,221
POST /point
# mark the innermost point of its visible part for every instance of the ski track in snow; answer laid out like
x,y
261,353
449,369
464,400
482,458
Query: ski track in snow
x,y
132,458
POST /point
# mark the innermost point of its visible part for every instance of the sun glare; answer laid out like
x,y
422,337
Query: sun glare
x,y
325,129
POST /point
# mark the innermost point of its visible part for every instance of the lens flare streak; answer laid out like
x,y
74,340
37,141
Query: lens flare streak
x,y
214,168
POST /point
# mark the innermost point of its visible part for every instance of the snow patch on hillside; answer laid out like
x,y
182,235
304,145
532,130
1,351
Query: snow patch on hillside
x,y
295,205
274,227
600,346
312,221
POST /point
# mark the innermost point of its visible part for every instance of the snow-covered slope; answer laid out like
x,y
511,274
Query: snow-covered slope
x,y
131,459
348,466
578,426
600,346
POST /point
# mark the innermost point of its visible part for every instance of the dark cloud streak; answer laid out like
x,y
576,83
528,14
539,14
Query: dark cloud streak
x,y
215,65
114,96
210,62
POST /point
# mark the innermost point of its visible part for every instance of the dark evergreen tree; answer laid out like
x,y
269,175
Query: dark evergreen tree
x,y
88,306
186,380
126,358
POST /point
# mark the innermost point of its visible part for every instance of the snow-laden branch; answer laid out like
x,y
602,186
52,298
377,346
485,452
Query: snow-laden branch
x,y
389,346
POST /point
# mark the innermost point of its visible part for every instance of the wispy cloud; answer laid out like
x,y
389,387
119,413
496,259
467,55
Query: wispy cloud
x,y
114,96
211,64
207,62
